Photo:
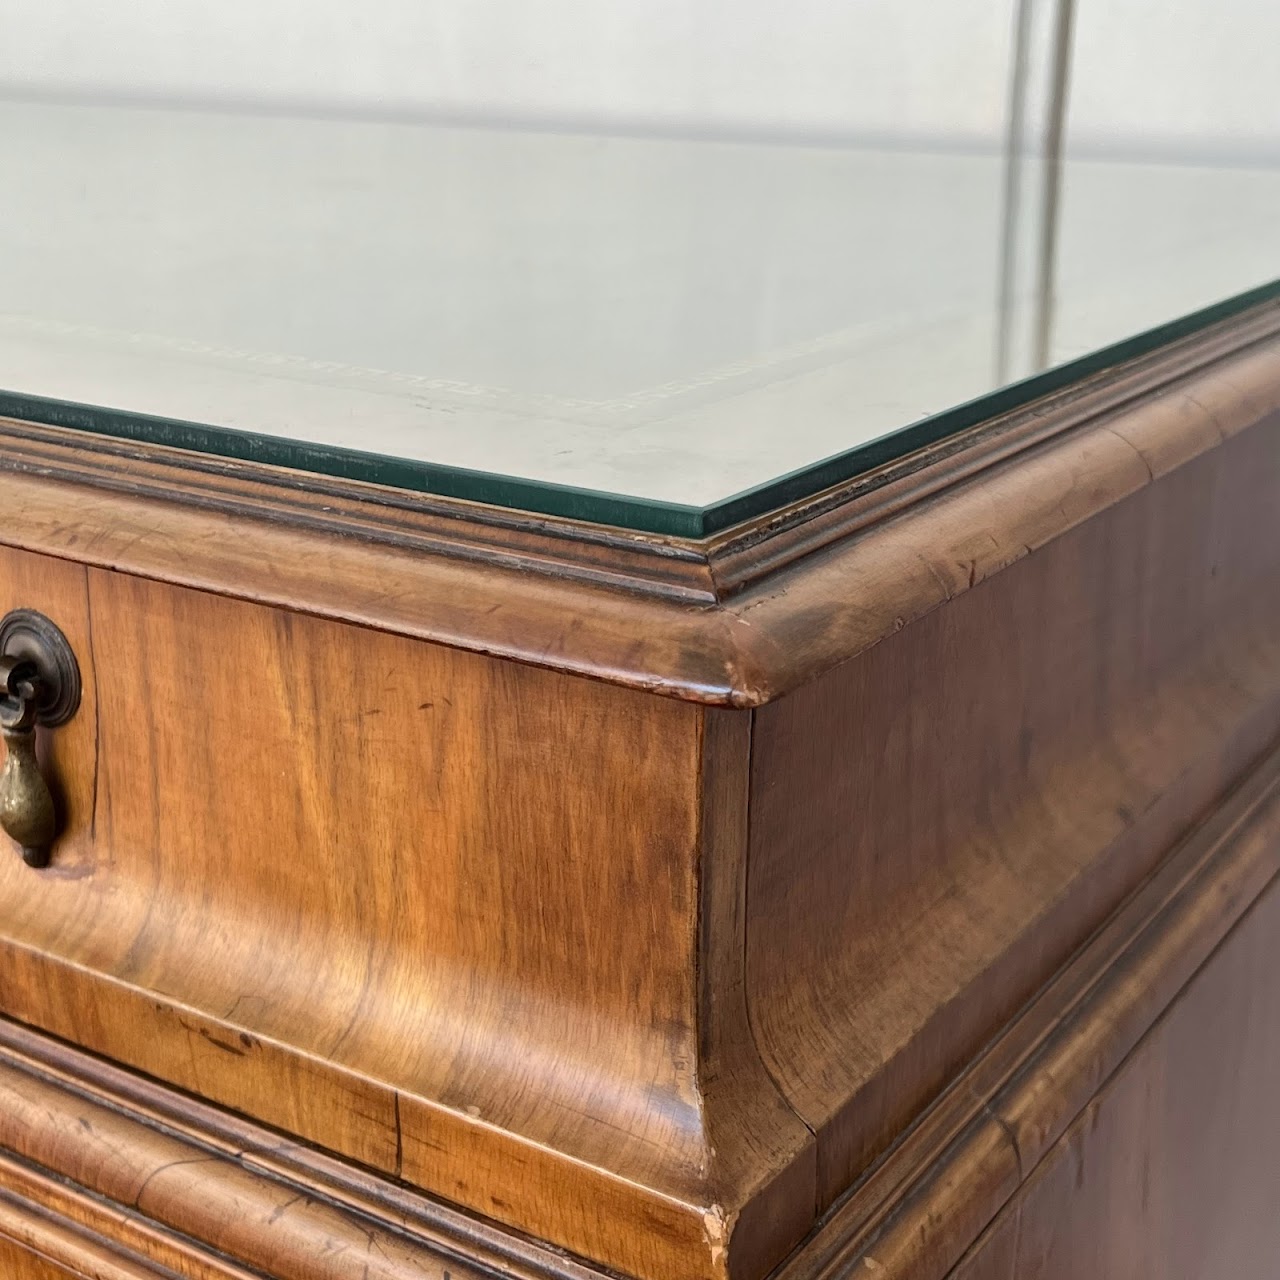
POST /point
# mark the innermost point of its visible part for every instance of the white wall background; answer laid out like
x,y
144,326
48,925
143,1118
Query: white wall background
x,y
1190,77
1169,74
813,66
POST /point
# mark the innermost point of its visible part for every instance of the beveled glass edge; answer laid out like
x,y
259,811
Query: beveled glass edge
x,y
641,515
809,480
535,497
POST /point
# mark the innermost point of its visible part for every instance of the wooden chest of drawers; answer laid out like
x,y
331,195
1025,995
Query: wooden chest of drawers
x,y
446,892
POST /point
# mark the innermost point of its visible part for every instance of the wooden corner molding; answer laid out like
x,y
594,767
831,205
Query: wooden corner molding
x,y
735,620
103,1170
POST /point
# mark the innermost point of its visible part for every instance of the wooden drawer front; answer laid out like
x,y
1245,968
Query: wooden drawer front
x,y
352,884
18,1263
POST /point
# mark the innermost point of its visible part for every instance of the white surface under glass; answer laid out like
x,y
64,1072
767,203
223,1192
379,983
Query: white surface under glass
x,y
675,321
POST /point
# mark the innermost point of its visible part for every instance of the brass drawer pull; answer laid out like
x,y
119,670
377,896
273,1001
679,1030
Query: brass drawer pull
x,y
39,685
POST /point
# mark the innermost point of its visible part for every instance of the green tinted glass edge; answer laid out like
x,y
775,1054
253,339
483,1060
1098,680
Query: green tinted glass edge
x,y
619,510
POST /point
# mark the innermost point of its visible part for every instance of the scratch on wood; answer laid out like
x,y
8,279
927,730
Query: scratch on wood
x,y
395,1095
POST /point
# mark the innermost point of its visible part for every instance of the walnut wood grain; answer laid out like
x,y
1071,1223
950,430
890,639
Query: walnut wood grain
x,y
17,1262
109,1175
971,797
440,914
104,1187
250,1178
922,1207
1170,1173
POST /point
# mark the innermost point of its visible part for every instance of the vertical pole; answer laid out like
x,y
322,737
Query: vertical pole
x,y
1013,153
1055,127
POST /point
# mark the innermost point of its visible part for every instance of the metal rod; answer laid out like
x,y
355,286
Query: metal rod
x,y
1013,153
1054,131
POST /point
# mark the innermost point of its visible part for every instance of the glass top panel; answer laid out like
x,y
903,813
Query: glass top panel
x,y
668,334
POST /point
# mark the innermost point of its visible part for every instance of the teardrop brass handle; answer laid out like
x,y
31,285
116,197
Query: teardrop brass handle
x,y
39,685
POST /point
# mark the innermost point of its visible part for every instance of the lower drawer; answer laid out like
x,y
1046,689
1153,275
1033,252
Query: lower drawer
x,y
1171,1172
20,1260
369,890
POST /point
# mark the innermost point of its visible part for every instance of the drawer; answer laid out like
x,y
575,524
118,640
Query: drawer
x,y
353,885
